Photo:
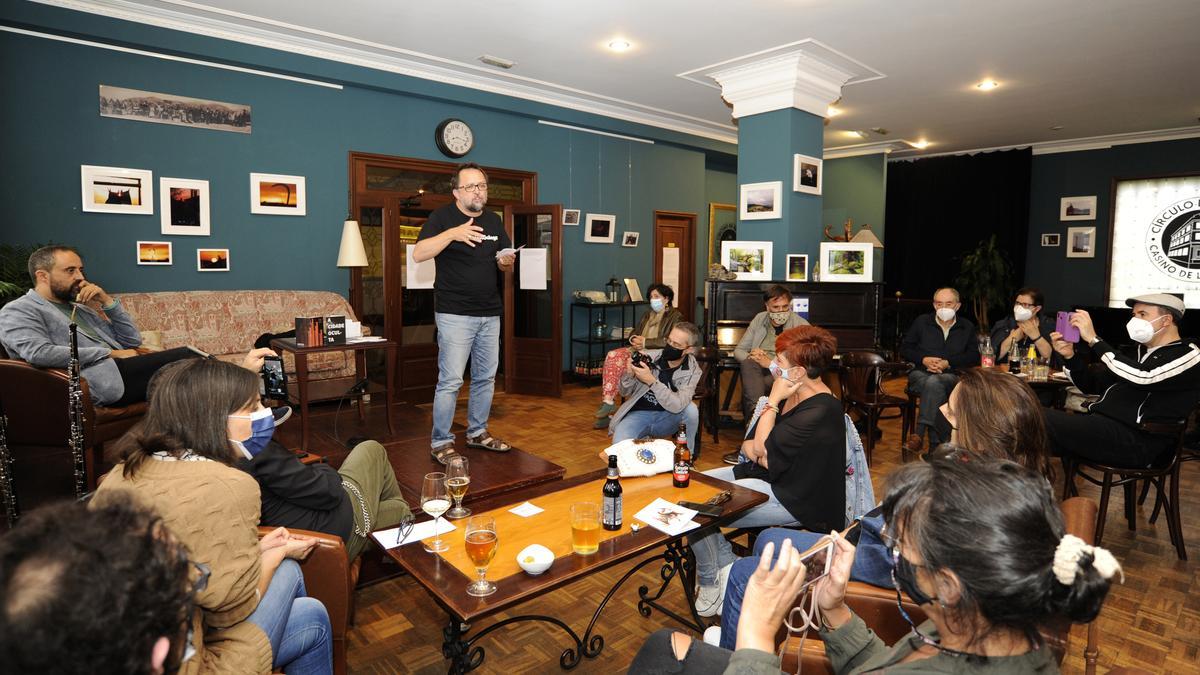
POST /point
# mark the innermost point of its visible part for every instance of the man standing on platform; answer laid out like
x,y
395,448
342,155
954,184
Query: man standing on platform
x,y
467,241
937,344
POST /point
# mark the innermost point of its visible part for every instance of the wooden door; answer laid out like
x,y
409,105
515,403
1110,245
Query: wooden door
x,y
533,317
676,232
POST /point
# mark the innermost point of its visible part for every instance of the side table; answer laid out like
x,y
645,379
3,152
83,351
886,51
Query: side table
x,y
301,355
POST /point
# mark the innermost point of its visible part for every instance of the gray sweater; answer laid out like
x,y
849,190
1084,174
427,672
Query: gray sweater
x,y
760,334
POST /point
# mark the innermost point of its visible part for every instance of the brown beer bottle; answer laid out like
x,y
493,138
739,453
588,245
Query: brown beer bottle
x,y
682,475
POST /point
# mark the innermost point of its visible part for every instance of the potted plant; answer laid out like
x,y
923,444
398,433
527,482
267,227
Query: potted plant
x,y
985,279
14,273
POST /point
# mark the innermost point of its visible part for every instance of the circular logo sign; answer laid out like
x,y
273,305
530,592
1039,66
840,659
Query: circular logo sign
x,y
1173,240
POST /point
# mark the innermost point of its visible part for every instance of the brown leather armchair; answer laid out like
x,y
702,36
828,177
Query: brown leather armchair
x,y
35,401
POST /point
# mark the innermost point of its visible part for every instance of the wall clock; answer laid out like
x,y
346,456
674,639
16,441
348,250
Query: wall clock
x,y
454,138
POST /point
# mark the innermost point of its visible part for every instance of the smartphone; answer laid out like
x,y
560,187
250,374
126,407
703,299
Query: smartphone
x,y
1063,325
703,509
274,380
816,562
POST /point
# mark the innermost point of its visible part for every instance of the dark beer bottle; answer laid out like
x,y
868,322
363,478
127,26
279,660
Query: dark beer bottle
x,y
610,512
682,475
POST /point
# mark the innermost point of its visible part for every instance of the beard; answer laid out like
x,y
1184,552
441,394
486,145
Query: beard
x,y
473,203
67,293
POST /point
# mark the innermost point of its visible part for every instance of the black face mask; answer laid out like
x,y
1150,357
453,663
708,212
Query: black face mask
x,y
904,576
672,353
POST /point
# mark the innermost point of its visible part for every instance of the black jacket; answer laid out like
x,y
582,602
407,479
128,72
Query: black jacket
x,y
924,338
295,494
1161,386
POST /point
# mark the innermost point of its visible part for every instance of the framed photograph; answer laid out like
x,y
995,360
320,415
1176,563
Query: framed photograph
x,y
630,239
1081,242
571,217
1051,239
846,261
154,253
797,267
109,189
184,111
634,290
750,260
600,229
277,195
1077,208
212,259
761,201
722,226
183,206
806,174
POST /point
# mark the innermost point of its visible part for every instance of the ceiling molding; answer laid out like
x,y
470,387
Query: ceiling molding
x,y
879,147
860,72
1065,145
290,38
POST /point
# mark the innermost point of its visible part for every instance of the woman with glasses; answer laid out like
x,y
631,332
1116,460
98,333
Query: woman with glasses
x,y
977,542
179,461
1025,326
651,333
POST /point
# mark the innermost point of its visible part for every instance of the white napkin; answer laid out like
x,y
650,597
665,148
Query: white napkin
x,y
525,510
388,538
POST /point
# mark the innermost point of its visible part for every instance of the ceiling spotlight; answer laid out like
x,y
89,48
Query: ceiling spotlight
x,y
620,45
920,145
1056,127
987,85
497,61
832,112
859,134
880,130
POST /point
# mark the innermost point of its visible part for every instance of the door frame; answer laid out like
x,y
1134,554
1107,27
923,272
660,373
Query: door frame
x,y
555,290
690,312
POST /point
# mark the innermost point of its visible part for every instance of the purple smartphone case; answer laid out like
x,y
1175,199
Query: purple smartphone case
x,y
1069,333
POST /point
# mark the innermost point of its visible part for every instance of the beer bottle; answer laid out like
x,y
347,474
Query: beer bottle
x,y
610,511
682,476
1014,358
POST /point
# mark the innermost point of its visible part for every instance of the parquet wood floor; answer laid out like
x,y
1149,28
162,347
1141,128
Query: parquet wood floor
x,y
1152,622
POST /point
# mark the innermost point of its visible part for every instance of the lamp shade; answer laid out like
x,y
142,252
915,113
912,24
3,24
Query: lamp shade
x,y
352,253
866,236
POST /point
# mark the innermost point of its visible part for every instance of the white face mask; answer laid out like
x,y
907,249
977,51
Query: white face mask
x,y
1022,313
1141,330
945,313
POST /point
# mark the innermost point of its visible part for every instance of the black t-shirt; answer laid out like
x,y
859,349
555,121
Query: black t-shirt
x,y
468,281
665,374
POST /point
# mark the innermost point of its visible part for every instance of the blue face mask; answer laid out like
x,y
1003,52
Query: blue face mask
x,y
262,428
656,304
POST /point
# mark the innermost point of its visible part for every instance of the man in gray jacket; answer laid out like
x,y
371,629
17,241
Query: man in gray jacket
x,y
658,398
757,346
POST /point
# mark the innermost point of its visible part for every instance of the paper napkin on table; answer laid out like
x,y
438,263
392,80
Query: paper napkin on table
x,y
388,538
671,519
525,510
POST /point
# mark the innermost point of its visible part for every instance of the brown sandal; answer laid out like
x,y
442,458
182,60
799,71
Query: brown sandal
x,y
486,441
444,453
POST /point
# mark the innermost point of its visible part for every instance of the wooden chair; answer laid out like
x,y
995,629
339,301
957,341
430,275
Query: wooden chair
x,y
707,392
1164,475
861,383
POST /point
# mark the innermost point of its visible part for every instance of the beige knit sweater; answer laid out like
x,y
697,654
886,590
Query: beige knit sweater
x,y
213,509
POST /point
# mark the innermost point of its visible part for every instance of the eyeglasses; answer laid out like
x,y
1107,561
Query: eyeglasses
x,y
404,529
1026,305
474,187
676,344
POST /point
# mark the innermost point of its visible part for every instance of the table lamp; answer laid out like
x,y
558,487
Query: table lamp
x,y
352,253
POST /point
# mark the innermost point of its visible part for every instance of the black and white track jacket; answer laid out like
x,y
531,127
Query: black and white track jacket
x,y
1162,384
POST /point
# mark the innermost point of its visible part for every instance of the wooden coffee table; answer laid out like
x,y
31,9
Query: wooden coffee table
x,y
446,575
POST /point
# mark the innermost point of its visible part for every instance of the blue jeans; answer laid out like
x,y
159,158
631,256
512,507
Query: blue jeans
x,y
934,389
712,550
297,626
658,424
872,565
459,338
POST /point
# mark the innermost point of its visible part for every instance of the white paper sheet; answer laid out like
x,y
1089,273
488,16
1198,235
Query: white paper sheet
x,y
508,251
388,538
658,515
670,271
533,269
419,274
526,510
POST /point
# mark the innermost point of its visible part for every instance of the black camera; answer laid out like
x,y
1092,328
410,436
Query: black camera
x,y
641,358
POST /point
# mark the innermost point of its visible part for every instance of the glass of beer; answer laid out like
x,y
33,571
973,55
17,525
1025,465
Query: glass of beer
x,y
458,479
481,543
585,528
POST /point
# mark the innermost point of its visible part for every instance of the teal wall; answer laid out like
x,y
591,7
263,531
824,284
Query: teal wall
x,y
856,188
50,125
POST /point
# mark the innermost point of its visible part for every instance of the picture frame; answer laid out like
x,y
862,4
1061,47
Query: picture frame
x,y
183,206
1081,242
634,290
630,239
111,189
212,260
600,229
571,217
276,194
1077,208
750,260
154,253
722,226
184,111
806,174
1050,240
847,262
797,267
761,201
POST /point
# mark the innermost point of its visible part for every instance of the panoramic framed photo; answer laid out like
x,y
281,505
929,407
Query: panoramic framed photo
x,y
1081,242
110,189
184,111
600,229
154,253
212,259
806,174
1077,208
277,195
750,260
846,261
183,206
761,201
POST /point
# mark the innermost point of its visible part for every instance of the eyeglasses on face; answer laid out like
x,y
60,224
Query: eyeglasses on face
x,y
474,187
1026,305
677,345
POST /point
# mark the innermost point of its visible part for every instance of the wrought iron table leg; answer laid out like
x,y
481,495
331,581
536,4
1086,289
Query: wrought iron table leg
x,y
465,656
594,644
678,562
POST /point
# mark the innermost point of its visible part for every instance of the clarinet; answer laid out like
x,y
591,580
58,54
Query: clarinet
x,y
75,412
8,491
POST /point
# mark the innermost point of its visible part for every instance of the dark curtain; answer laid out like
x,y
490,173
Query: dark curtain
x,y
939,209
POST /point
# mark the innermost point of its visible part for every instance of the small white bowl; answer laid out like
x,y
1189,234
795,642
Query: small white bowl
x,y
535,559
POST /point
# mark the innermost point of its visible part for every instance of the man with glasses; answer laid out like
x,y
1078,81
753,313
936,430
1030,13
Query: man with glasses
x,y
937,344
1025,326
466,240
658,396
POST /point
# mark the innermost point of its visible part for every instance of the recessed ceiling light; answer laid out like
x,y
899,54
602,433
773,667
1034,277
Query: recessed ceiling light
x,y
920,145
987,85
497,61
832,112
857,134
1056,127
620,45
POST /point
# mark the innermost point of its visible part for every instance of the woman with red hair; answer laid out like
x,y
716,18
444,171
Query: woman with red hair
x,y
797,457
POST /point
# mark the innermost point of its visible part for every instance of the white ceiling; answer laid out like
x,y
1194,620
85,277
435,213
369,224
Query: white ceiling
x,y
1095,67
